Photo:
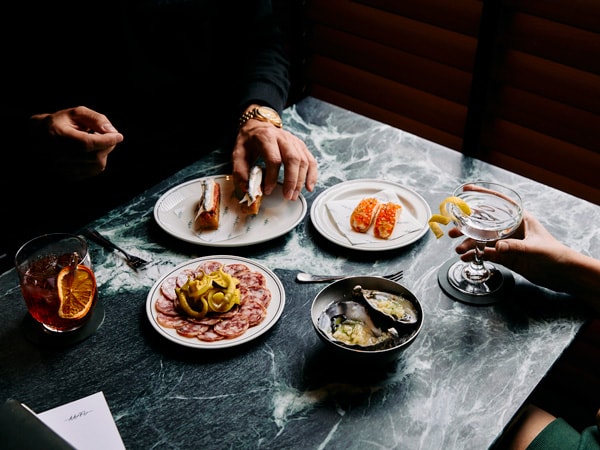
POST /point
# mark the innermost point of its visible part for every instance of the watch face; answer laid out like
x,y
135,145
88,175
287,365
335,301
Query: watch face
x,y
269,114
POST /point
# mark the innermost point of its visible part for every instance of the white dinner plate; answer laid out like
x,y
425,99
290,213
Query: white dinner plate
x,y
274,310
356,190
175,211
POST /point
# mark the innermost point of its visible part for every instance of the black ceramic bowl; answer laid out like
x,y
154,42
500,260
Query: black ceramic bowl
x,y
341,290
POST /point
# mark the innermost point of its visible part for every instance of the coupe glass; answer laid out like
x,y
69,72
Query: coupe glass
x,y
496,212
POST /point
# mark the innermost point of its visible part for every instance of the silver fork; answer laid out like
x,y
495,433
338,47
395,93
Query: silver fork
x,y
303,277
135,262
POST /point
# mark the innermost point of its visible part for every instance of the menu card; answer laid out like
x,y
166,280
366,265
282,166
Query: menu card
x,y
86,423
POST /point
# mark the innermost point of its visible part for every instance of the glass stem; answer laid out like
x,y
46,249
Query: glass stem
x,y
475,271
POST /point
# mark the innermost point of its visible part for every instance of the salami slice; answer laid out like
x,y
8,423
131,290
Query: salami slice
x,y
165,306
210,335
208,320
254,311
235,269
167,288
246,276
191,329
262,294
209,267
170,321
184,276
233,327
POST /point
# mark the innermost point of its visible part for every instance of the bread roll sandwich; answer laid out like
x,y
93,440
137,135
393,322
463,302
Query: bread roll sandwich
x,y
363,214
385,220
207,217
252,198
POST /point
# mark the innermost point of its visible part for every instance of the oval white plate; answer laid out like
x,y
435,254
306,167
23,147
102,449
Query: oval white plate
x,y
175,211
356,190
274,310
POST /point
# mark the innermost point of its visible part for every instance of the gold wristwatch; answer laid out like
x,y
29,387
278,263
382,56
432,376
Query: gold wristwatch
x,y
263,113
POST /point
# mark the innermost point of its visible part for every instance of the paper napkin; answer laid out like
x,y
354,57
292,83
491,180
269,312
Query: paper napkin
x,y
340,212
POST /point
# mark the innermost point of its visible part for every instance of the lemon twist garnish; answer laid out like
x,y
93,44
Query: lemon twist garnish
x,y
444,217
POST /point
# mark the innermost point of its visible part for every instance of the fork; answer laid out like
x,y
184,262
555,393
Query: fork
x,y
303,277
135,262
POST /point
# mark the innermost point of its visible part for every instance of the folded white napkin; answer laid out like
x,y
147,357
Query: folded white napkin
x,y
341,210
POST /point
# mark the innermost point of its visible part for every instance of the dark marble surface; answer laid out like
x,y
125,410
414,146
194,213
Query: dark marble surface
x,y
457,386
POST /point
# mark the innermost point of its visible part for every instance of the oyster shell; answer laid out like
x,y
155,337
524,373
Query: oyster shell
x,y
350,323
394,306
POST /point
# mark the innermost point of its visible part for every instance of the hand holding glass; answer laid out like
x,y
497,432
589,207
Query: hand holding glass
x,y
496,213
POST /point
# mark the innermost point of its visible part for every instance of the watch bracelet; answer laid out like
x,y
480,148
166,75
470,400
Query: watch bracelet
x,y
252,114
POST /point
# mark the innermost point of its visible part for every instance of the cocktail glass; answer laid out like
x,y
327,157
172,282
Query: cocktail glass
x,y
39,263
496,213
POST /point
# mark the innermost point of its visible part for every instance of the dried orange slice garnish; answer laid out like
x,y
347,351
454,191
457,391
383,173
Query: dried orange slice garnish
x,y
76,287
444,216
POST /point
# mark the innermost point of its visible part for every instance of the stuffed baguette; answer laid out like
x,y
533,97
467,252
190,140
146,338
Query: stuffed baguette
x,y
252,199
207,217
385,220
363,214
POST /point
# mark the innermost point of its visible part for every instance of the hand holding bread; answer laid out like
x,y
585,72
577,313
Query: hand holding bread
x,y
209,204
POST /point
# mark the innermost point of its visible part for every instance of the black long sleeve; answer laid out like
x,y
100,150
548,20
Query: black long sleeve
x,y
172,76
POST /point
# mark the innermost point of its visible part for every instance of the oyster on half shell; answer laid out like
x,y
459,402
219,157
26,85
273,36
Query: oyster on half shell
x,y
350,323
394,306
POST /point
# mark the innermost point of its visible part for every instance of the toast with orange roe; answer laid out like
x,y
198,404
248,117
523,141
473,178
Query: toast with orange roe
x,y
363,215
385,221
444,217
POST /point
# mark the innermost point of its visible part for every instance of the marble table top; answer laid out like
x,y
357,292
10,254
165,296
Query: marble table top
x,y
457,386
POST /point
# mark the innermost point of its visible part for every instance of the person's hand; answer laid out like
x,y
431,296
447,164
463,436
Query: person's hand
x,y
76,141
276,146
532,251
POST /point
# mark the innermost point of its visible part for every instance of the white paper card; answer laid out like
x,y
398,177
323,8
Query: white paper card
x,y
87,423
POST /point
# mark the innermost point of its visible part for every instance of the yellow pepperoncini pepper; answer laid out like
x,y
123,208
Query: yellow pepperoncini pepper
x,y
215,292
186,306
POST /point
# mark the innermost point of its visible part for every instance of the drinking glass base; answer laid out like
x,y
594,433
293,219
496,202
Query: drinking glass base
x,y
501,282
36,333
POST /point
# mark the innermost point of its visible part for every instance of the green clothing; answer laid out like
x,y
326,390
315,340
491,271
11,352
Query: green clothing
x,y
559,435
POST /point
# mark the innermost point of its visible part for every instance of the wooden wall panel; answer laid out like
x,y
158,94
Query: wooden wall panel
x,y
400,68
513,82
459,16
433,110
406,68
542,175
542,112
396,31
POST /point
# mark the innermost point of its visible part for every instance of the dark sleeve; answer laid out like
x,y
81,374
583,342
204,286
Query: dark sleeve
x,y
265,65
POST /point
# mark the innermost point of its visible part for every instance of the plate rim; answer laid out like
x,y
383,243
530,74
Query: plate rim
x,y
224,343
341,240
230,242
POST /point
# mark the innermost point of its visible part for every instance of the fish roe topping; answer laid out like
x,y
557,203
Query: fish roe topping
x,y
362,216
386,220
